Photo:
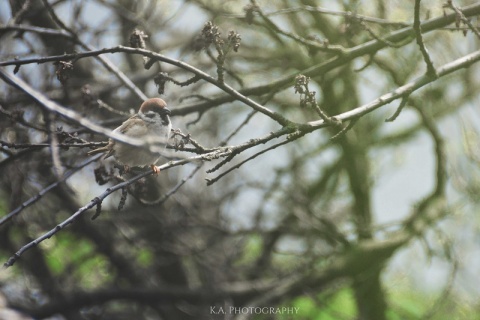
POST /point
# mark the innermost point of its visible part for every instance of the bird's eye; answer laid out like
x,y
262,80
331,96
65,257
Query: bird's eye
x,y
150,115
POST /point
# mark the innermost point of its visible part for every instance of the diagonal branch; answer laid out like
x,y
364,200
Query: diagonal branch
x,y
368,48
106,62
463,62
219,153
157,56
66,113
461,17
43,192
93,203
321,46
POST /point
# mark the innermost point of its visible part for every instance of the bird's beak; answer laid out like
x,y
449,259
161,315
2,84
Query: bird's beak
x,y
166,110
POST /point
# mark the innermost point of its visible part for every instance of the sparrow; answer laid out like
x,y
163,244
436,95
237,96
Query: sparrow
x,y
151,122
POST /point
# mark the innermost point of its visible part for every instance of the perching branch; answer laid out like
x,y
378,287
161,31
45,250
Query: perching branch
x,y
98,200
229,151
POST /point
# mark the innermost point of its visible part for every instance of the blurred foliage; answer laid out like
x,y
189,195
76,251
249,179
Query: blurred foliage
x,y
340,219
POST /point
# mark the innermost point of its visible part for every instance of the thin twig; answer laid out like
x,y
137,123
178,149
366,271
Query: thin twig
x,y
383,40
187,139
463,62
102,104
174,190
308,99
344,130
346,14
39,30
462,17
421,216
237,129
291,138
417,27
17,117
367,64
19,15
402,105
106,62
247,119
322,46
227,70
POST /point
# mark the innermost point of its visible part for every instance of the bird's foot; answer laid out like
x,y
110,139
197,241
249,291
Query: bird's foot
x,y
155,169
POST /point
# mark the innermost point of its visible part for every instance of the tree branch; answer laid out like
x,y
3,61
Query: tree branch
x,y
43,192
417,27
398,93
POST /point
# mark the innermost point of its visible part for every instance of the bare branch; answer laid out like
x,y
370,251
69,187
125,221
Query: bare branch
x,y
385,41
350,54
43,192
106,62
417,27
95,202
402,105
398,93
174,190
90,145
39,30
461,16
212,181
67,113
324,46
153,55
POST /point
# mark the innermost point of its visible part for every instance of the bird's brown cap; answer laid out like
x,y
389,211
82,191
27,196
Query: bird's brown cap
x,y
153,104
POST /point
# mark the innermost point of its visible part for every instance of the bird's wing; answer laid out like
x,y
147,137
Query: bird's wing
x,y
136,129
135,126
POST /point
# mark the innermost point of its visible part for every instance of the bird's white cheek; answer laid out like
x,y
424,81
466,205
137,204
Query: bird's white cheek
x,y
162,131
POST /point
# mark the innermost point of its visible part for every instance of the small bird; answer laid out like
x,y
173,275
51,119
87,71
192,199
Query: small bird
x,y
151,121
